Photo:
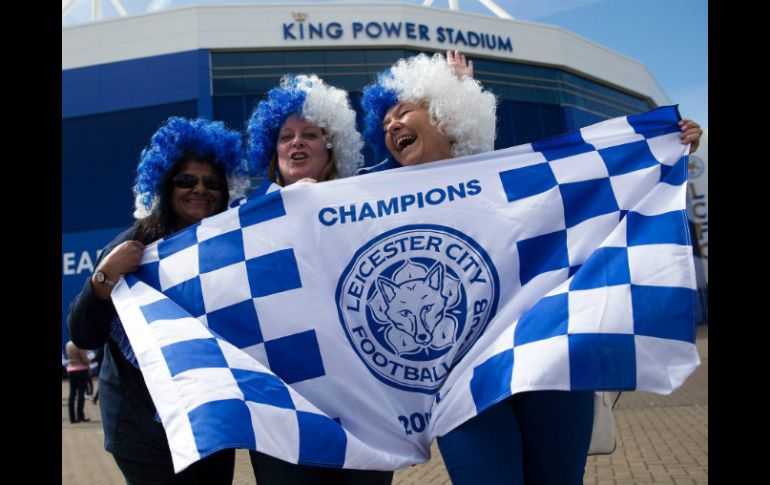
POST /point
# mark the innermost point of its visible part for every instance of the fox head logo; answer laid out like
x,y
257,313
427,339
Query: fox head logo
x,y
413,300
414,303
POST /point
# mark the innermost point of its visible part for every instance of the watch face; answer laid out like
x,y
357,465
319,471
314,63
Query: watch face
x,y
99,277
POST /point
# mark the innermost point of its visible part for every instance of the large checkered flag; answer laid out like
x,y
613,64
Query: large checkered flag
x,y
347,324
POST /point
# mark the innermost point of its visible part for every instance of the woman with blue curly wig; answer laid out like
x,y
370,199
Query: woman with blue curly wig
x,y
189,171
423,110
304,131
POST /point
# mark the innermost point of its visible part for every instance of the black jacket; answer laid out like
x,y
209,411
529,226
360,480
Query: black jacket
x,y
128,413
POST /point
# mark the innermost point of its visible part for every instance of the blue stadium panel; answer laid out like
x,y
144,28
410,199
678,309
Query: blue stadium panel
x,y
137,83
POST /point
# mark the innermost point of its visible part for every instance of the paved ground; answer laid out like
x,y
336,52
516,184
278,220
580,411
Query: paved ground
x,y
661,440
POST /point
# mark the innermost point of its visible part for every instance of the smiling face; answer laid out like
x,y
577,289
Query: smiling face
x,y
192,204
301,150
411,138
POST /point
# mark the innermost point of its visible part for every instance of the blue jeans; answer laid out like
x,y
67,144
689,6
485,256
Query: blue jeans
x,y
531,438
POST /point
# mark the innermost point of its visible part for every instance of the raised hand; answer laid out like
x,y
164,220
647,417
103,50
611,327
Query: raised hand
x,y
457,61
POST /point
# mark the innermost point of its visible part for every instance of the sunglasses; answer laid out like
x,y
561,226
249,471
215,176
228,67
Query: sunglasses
x,y
188,181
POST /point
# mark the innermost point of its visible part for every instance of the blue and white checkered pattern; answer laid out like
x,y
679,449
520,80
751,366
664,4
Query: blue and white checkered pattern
x,y
617,256
235,327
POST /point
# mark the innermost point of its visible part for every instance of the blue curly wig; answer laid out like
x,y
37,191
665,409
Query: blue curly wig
x,y
177,137
460,108
315,101
376,102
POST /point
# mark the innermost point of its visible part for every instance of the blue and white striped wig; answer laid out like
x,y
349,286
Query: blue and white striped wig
x,y
178,137
460,108
312,99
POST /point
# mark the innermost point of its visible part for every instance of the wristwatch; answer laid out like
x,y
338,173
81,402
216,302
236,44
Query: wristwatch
x,y
102,279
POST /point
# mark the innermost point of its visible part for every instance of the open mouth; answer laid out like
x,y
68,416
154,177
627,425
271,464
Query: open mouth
x,y
404,141
299,156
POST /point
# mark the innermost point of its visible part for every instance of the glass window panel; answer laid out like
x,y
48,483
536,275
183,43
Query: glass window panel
x,y
225,59
262,59
230,72
485,65
345,57
347,82
303,58
260,85
319,71
227,86
383,56
230,109
354,70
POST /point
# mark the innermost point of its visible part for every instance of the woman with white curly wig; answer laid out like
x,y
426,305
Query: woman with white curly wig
x,y
304,131
428,109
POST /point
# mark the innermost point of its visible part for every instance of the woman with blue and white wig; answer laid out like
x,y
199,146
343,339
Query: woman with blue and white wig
x,y
189,171
303,130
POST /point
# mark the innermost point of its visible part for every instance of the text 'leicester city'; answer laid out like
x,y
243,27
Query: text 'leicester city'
x,y
413,301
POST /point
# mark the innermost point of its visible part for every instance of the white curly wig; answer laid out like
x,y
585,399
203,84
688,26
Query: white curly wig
x,y
460,108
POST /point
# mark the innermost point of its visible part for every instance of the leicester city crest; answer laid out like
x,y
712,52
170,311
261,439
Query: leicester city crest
x,y
412,302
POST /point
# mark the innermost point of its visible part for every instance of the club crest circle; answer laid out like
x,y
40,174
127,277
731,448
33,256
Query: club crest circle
x,y
414,300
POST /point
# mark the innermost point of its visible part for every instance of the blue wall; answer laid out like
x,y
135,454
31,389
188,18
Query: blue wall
x,y
128,85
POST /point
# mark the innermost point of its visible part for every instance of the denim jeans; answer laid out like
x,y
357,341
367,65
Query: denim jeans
x,y
531,438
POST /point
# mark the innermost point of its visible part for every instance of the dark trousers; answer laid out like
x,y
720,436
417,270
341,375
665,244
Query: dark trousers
x,y
216,469
532,438
272,471
78,380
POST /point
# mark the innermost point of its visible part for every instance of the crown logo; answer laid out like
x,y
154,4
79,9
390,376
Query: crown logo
x,y
299,16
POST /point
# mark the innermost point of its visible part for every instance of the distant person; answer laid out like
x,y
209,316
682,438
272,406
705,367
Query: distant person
x,y
90,381
98,358
78,373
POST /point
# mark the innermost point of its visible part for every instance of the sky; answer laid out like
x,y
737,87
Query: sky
x,y
670,37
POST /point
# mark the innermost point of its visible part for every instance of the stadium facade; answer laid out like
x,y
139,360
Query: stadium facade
x,y
122,78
